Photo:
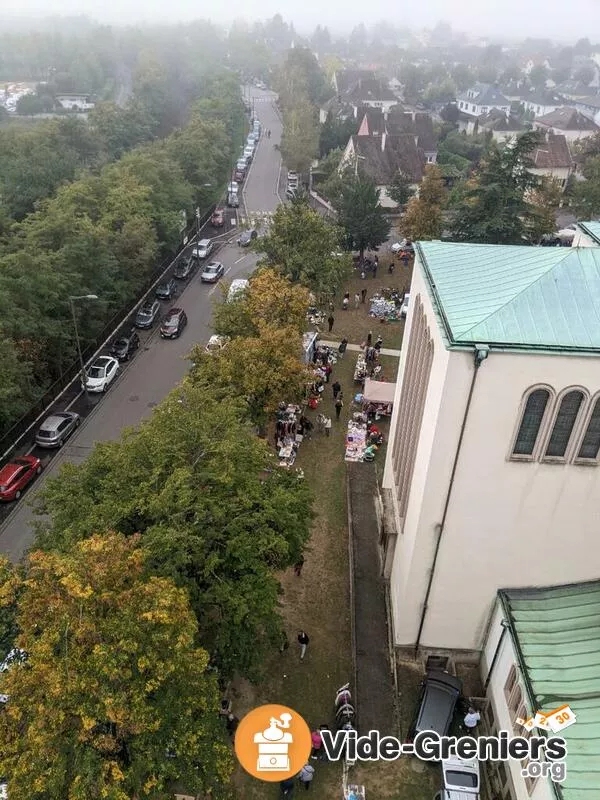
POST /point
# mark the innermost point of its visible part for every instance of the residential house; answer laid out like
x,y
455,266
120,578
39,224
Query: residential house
x,y
573,90
541,652
480,99
75,102
528,63
381,156
356,89
492,471
569,122
552,159
541,103
345,79
587,234
590,106
497,123
397,122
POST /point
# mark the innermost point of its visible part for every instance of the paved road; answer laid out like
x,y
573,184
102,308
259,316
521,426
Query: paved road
x,y
160,364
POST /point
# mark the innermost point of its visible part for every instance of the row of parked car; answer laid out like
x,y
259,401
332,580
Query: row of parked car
x,y
58,427
242,165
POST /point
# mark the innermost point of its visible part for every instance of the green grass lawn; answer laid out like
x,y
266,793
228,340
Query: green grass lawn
x,y
318,600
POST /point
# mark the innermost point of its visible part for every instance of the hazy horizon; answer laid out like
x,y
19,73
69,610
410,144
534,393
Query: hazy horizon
x,y
509,19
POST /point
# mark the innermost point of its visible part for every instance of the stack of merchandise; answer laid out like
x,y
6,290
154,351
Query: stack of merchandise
x,y
356,441
360,371
289,442
384,309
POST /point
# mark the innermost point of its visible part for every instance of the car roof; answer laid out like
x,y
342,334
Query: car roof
x,y
175,312
8,470
213,264
102,360
51,422
441,691
203,242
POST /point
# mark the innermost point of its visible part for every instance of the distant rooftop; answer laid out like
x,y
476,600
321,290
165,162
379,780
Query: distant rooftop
x,y
484,94
568,119
557,633
515,297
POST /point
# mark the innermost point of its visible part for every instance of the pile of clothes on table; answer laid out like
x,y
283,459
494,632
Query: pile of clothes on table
x,y
386,306
356,440
361,370
290,428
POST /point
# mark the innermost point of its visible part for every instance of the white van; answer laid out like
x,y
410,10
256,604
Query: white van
x,y
460,779
238,286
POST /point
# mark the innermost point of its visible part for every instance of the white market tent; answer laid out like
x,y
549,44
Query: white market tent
x,y
379,392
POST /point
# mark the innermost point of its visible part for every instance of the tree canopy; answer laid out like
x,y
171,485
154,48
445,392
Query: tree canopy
x,y
423,218
115,698
361,215
305,247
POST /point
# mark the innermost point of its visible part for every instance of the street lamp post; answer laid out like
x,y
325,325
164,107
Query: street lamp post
x,y
72,299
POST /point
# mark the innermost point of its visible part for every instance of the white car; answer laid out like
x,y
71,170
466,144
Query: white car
x,y
404,306
203,249
460,779
101,374
216,343
397,247
212,272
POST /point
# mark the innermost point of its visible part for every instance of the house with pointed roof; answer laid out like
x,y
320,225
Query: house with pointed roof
x,y
541,653
497,123
357,89
398,122
590,106
569,122
552,159
345,79
481,98
492,471
541,103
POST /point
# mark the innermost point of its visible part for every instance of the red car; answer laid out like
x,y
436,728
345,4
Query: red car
x,y
14,477
218,218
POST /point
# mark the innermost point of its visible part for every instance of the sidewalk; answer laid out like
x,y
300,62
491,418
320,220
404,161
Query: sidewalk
x,y
356,348
374,691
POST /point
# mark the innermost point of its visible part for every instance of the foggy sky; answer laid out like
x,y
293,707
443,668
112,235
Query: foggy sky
x,y
516,19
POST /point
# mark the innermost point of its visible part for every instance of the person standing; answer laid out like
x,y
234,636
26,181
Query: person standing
x,y
337,388
391,268
287,787
339,404
369,338
345,303
303,641
363,295
356,300
328,371
307,773
317,743
378,343
342,347
232,725
375,265
330,321
471,720
327,426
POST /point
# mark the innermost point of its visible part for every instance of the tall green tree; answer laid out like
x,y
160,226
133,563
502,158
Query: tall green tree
x,y
494,206
400,190
300,138
306,248
115,699
361,215
213,513
586,193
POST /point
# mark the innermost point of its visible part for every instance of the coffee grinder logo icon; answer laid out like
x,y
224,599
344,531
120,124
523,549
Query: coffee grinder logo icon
x,y
273,745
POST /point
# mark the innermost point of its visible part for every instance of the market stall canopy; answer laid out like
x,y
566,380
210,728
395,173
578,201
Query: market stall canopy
x,y
379,391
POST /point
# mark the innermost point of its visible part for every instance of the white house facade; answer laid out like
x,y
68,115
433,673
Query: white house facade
x,y
481,99
492,468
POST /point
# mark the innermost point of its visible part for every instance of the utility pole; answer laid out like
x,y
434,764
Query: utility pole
x,y
72,299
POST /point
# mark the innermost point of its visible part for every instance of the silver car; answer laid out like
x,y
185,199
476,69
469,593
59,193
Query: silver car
x,y
56,428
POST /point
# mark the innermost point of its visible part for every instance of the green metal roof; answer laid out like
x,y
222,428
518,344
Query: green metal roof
x,y
592,229
512,296
557,632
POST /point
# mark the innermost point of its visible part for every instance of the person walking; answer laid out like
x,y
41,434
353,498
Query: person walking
x,y
339,404
363,295
375,266
287,787
330,321
232,725
327,426
378,343
391,268
298,566
307,773
345,303
337,388
328,370
342,347
303,641
369,338
356,300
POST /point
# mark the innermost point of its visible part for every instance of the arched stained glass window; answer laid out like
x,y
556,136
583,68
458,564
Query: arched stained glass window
x,y
564,424
531,422
590,444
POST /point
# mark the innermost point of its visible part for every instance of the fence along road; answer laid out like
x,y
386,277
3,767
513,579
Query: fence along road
x,y
160,364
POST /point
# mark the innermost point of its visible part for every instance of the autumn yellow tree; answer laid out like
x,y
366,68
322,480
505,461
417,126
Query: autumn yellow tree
x,y
424,218
115,699
263,369
271,299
